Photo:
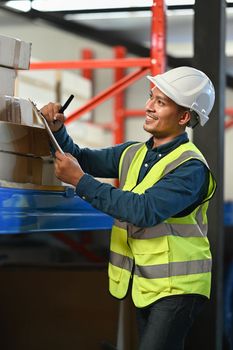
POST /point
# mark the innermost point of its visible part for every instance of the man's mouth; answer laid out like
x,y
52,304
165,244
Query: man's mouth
x,y
152,116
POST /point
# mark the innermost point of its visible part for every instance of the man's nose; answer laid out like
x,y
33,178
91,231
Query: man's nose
x,y
150,104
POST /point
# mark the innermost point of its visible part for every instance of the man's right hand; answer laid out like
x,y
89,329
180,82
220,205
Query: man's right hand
x,y
52,115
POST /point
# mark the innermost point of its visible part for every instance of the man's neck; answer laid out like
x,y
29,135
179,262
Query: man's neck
x,y
161,141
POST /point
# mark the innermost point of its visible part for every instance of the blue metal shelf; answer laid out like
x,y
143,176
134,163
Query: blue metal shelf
x,y
30,210
35,210
228,213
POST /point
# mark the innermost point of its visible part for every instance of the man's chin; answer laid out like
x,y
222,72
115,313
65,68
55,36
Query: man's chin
x,y
147,128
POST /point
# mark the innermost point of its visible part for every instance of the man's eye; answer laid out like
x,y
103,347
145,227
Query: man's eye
x,y
160,102
150,95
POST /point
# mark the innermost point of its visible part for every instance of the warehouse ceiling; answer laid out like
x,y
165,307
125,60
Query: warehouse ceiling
x,y
124,22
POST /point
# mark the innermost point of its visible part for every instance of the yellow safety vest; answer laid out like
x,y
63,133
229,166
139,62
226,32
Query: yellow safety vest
x,y
167,259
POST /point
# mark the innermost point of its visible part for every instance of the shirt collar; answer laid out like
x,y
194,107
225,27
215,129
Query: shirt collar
x,y
169,146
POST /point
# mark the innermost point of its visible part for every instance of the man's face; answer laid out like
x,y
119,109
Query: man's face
x,y
162,115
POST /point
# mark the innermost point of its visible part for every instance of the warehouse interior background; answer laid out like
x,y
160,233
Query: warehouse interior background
x,y
47,295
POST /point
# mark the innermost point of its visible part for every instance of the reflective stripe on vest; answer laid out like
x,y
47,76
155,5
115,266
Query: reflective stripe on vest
x,y
162,270
165,229
182,158
167,253
126,161
174,269
122,261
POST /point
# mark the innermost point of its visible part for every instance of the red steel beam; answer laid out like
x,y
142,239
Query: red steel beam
x,y
134,113
93,64
158,36
229,112
89,73
119,132
104,95
228,124
87,54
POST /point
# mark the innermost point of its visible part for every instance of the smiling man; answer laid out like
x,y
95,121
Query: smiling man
x,y
170,118
159,247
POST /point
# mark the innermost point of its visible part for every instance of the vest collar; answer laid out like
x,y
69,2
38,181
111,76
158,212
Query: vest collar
x,y
169,146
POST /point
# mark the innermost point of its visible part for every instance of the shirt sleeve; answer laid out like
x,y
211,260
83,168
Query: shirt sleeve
x,y
96,162
176,194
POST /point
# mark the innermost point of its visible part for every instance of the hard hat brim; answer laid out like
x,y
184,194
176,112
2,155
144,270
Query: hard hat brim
x,y
164,87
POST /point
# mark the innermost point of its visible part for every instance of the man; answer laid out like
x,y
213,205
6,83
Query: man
x,y
159,244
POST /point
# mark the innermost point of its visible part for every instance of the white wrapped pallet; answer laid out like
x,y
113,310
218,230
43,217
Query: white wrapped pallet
x,y
18,110
7,81
14,53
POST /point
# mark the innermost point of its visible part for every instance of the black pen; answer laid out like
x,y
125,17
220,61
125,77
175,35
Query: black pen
x,y
66,104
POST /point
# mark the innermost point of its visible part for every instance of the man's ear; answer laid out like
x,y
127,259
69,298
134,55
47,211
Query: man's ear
x,y
185,118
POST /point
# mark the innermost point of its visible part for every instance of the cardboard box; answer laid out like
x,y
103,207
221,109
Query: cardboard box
x,y
23,169
19,168
18,110
24,139
7,81
48,173
14,53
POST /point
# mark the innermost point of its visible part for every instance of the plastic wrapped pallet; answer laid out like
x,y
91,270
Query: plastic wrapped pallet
x,y
17,110
14,53
7,81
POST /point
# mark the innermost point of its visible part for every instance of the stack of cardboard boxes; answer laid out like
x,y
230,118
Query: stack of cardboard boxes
x,y
24,144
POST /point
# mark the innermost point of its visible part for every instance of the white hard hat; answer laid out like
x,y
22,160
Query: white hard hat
x,y
188,87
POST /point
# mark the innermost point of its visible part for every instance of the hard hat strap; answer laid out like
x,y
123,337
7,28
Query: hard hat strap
x,y
195,120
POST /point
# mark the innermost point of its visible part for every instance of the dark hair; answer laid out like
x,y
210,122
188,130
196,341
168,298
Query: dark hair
x,y
194,120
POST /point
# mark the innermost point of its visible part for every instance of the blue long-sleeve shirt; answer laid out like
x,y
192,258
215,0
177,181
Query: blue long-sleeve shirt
x,y
176,194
